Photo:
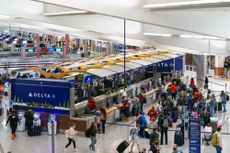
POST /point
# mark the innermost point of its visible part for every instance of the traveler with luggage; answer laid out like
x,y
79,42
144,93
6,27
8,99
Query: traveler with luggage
x,y
164,125
143,124
93,133
207,119
14,121
154,140
224,99
29,119
134,138
216,140
178,137
71,135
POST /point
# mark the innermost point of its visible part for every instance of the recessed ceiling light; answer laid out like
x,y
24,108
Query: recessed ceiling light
x,y
65,13
183,3
200,37
157,34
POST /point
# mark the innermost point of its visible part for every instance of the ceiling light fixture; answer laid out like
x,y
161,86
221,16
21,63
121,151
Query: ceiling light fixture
x,y
200,37
184,3
157,34
4,16
65,13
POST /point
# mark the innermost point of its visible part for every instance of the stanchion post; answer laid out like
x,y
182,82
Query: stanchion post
x,y
53,147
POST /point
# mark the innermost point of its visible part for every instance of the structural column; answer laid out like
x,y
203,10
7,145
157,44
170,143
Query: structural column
x,y
66,51
201,70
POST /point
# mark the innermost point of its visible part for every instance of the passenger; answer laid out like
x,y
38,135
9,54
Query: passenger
x,y
164,125
29,119
154,139
207,120
134,138
14,121
71,135
152,113
173,91
126,109
103,118
143,101
192,83
143,124
218,140
92,104
93,133
223,100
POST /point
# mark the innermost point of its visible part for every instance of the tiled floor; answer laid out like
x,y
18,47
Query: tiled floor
x,y
106,143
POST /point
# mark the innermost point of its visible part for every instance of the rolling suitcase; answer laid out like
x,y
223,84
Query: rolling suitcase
x,y
37,130
30,131
219,106
122,146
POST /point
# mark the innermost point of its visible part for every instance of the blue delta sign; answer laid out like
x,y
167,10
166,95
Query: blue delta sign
x,y
194,136
52,94
168,65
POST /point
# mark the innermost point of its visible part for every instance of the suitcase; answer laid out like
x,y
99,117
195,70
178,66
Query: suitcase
x,y
30,131
219,106
178,138
122,146
37,130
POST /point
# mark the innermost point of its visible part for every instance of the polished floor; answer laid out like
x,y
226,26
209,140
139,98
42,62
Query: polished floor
x,y
107,143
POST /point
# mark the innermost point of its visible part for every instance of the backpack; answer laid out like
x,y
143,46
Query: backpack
x,y
165,123
87,133
66,133
214,140
227,97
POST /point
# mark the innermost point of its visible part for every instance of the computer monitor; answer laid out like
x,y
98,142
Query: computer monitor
x,y
58,49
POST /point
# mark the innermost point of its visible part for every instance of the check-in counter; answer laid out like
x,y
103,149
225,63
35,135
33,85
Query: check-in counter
x,y
83,121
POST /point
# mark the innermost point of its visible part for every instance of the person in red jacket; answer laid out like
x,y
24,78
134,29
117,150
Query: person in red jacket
x,y
192,83
152,113
173,91
92,104
196,96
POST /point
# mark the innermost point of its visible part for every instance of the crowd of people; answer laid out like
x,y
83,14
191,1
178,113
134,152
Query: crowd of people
x,y
179,102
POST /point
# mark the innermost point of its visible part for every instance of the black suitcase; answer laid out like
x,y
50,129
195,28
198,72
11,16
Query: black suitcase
x,y
30,131
122,146
37,130
219,106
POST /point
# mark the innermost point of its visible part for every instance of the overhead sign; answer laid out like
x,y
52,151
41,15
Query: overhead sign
x,y
165,66
194,136
179,63
40,93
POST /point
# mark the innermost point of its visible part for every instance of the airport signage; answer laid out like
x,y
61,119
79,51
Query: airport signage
x,y
194,136
53,93
165,66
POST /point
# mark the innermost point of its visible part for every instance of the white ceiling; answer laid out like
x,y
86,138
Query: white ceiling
x,y
104,20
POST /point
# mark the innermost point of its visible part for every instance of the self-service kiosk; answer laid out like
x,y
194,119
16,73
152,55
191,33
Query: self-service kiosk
x,y
52,118
22,121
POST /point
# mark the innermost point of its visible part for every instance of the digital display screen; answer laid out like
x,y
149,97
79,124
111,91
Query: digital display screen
x,y
59,49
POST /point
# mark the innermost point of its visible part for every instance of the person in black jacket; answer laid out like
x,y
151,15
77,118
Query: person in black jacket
x,y
14,121
163,123
29,119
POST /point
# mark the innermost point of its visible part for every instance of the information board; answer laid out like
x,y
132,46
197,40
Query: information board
x,y
194,136
42,93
